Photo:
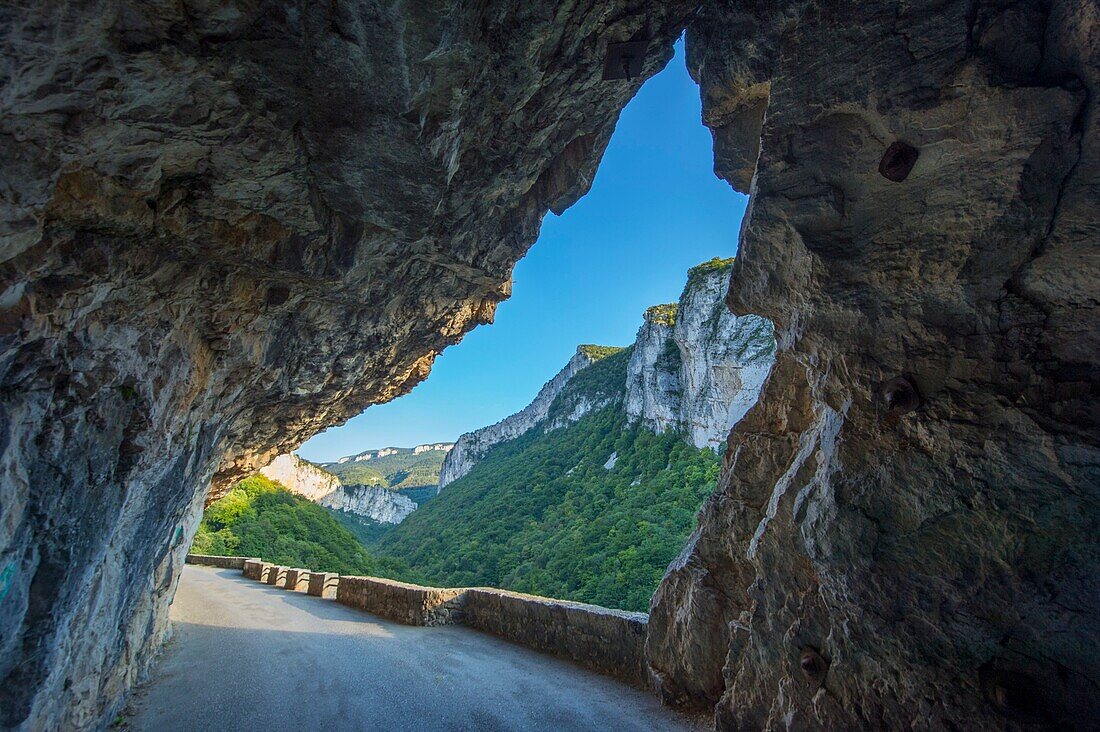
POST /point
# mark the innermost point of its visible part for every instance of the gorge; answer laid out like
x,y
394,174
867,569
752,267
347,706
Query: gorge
x,y
227,225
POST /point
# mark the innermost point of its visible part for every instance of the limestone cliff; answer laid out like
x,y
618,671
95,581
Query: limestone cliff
x,y
302,477
378,504
695,367
320,486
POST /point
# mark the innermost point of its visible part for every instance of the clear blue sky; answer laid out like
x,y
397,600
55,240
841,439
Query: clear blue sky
x,y
655,209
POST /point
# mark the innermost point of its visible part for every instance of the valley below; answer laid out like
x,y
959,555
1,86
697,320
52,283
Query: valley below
x,y
586,494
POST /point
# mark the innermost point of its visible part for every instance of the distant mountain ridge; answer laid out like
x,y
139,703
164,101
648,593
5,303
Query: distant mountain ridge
x,y
396,468
387,451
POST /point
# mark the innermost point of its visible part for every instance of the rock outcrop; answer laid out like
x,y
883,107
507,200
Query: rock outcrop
x,y
696,366
225,226
472,446
315,484
905,531
378,504
301,477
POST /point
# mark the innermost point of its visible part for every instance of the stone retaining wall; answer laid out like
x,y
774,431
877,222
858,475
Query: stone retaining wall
x,y
609,641
277,576
404,603
210,560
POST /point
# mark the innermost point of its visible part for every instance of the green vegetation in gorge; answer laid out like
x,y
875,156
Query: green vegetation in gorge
x,y
541,514
261,518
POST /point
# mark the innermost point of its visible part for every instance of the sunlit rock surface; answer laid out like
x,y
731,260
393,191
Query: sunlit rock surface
x,y
309,481
225,226
697,367
866,564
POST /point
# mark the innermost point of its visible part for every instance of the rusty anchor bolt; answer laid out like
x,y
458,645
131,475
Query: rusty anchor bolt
x,y
898,161
813,666
900,395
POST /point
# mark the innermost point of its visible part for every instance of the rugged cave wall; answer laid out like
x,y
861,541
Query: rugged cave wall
x,y
226,225
918,554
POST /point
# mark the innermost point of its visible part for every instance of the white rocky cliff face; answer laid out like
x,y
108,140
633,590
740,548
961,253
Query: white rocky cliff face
x,y
379,504
473,445
697,366
301,477
307,480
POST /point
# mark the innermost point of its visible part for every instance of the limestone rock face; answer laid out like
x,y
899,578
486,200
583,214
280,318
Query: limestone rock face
x,y
905,531
225,226
320,486
301,477
472,446
379,504
702,373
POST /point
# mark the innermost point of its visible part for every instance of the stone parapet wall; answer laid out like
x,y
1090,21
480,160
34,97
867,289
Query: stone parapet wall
x,y
609,641
208,560
401,602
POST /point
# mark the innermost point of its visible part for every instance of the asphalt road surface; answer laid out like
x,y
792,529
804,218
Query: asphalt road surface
x,y
247,656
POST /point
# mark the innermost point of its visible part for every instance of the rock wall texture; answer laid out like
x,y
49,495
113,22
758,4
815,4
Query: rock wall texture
x,y
225,226
905,531
472,446
378,504
318,485
703,372
302,477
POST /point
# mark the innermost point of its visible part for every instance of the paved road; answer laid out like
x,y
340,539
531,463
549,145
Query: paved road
x,y
251,657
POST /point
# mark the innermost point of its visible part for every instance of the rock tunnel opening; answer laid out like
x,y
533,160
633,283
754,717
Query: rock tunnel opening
x,y
620,447
195,199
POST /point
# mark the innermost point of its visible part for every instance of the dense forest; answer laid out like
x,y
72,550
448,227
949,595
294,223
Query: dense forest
x,y
261,518
552,514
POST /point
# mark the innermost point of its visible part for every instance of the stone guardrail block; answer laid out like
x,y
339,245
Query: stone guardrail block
x,y
297,579
265,571
210,560
323,584
277,576
609,641
253,569
401,602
